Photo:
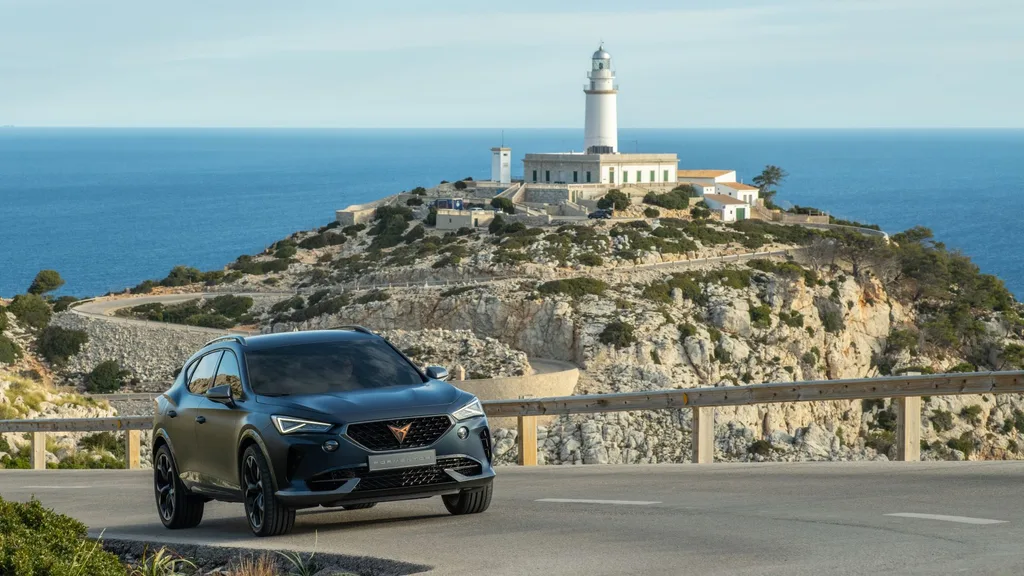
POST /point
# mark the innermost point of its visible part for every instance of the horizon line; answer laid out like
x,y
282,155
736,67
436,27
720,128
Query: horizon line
x,y
300,127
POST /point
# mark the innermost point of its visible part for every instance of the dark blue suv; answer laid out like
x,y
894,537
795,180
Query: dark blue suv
x,y
323,418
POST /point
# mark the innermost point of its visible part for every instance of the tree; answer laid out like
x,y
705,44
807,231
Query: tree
x,y
31,310
9,350
615,199
770,177
459,185
3,319
57,344
504,204
46,281
106,377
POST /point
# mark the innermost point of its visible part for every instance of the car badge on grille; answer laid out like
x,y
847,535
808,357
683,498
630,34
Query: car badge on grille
x,y
400,432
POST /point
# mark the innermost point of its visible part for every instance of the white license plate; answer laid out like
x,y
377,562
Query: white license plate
x,y
402,460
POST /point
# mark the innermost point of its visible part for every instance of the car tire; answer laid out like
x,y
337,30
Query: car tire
x,y
265,514
359,506
176,507
469,501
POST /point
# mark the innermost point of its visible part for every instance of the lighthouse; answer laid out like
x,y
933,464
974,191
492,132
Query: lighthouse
x,y
601,132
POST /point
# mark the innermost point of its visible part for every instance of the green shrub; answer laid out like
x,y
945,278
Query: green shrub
x,y
504,204
881,440
419,191
831,320
942,420
57,344
972,414
651,213
63,303
809,359
761,316
285,252
106,377
294,303
590,259
414,202
38,541
373,296
459,185
431,219
31,310
900,340
230,305
317,241
700,213
207,320
618,334
497,225
677,199
457,291
615,199
686,331
45,281
963,367
9,350
792,318
964,444
654,356
353,229
574,287
386,212
415,234
4,321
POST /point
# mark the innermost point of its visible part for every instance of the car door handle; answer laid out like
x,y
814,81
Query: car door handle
x,y
172,414
201,419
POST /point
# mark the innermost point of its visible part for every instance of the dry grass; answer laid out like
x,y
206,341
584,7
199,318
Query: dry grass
x,y
262,565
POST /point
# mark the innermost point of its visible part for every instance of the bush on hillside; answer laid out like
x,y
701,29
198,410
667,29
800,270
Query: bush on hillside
x,y
9,350
353,229
615,199
46,281
229,305
700,213
207,320
459,185
414,202
497,225
431,219
419,191
386,212
31,310
415,234
676,199
38,541
574,287
4,321
106,377
618,334
651,213
63,303
57,344
285,251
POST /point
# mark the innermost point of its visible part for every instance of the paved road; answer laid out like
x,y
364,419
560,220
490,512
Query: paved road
x,y
785,519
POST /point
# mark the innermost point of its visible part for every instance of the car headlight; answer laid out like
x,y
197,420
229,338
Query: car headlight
x,y
469,410
288,425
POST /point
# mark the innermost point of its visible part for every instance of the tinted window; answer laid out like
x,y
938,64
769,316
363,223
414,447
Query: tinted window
x,y
202,376
229,374
357,364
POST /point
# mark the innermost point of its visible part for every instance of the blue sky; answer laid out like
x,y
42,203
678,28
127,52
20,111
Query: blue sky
x,y
461,63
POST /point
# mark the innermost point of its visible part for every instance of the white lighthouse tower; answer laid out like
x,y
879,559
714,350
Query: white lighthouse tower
x,y
601,134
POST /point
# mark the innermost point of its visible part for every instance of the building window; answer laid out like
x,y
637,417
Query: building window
x,y
638,176
547,175
588,176
611,175
575,176
534,175
625,176
652,175
664,176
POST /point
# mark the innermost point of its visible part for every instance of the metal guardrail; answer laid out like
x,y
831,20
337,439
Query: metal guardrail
x,y
908,391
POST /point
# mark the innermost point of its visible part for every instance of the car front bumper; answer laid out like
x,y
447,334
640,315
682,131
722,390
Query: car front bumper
x,y
306,475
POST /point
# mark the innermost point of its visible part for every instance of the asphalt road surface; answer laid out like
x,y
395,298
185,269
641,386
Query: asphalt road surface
x,y
786,519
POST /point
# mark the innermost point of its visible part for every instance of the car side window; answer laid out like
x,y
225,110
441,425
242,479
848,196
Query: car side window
x,y
203,375
229,374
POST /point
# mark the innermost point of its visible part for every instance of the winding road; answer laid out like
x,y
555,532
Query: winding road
x,y
718,519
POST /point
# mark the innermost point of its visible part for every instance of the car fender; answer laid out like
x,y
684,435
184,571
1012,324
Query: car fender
x,y
161,434
255,436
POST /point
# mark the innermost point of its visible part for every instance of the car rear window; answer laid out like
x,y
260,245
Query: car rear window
x,y
325,367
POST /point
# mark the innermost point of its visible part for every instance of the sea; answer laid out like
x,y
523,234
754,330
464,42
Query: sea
x,y
109,208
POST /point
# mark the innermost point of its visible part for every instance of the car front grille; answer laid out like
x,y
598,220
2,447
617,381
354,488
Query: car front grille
x,y
377,436
398,478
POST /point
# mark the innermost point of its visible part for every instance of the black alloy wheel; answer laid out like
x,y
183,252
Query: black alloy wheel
x,y
175,506
266,515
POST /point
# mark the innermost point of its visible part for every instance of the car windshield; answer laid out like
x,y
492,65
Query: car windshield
x,y
325,367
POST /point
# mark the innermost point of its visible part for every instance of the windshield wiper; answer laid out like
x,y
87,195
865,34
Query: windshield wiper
x,y
274,394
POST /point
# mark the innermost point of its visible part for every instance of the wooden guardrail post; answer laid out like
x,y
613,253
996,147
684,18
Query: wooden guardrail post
x,y
527,440
908,429
132,444
38,451
703,436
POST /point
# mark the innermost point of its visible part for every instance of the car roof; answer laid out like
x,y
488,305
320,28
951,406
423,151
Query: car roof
x,y
265,341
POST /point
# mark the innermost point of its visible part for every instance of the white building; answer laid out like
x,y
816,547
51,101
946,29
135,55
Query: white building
x,y
601,130
730,209
706,176
702,187
739,191
600,163
501,165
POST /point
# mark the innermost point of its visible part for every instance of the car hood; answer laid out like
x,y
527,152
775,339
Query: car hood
x,y
432,397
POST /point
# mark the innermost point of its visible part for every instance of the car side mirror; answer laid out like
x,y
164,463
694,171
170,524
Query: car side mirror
x,y
221,394
437,372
